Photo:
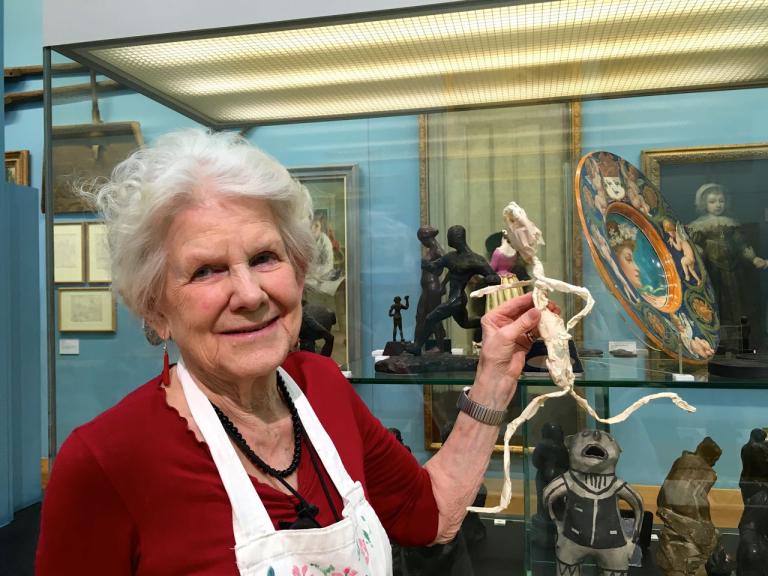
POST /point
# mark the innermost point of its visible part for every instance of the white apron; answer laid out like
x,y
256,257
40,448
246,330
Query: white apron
x,y
355,546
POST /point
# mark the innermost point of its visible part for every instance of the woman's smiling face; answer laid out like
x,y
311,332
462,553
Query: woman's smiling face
x,y
231,299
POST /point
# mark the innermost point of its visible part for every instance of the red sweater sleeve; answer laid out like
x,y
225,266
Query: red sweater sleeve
x,y
399,488
85,527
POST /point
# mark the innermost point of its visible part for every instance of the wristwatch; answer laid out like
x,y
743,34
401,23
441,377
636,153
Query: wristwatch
x,y
478,411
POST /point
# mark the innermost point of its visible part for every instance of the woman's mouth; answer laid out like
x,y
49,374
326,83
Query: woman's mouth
x,y
250,329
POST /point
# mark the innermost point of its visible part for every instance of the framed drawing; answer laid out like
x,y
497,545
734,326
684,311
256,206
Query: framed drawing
x,y
719,193
99,265
87,310
331,281
68,253
440,412
17,167
82,152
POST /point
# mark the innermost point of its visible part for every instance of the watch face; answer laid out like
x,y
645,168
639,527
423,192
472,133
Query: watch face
x,y
645,257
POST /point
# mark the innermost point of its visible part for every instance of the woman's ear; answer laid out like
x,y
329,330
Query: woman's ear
x,y
157,320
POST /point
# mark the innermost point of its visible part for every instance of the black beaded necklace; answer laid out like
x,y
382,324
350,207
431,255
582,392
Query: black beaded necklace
x,y
238,439
306,512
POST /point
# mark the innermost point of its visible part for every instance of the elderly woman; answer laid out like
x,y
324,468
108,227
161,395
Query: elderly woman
x,y
219,464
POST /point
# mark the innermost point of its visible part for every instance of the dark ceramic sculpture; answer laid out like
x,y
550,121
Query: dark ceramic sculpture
x,y
688,537
316,324
395,312
752,553
550,458
462,264
590,524
432,287
754,464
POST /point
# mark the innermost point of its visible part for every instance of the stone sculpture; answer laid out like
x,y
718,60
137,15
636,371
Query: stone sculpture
x,y
688,537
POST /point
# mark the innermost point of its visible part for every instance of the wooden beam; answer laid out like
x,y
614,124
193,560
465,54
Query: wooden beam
x,y
73,91
23,72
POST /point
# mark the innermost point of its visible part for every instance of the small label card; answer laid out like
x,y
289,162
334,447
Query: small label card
x,y
69,346
628,345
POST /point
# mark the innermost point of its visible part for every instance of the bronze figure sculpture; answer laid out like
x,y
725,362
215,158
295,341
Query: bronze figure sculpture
x,y
462,264
432,287
395,312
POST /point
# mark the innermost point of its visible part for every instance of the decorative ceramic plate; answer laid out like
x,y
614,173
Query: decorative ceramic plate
x,y
645,257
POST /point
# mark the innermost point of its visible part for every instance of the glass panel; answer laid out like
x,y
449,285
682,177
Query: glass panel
x,y
101,353
377,181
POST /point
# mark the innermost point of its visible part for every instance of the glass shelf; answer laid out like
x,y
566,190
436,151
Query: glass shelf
x,y
605,372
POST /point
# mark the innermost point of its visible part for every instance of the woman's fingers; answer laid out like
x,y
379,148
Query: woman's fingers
x,y
524,330
508,311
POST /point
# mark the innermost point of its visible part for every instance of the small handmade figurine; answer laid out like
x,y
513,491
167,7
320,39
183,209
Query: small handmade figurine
x,y
397,317
752,553
462,264
590,525
525,238
688,537
316,324
432,288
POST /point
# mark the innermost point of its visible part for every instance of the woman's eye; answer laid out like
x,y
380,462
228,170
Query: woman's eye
x,y
263,258
202,272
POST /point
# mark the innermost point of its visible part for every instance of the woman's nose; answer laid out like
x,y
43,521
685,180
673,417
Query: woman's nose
x,y
247,291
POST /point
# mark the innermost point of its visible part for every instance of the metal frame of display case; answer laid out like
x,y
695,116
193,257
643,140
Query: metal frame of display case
x,y
601,377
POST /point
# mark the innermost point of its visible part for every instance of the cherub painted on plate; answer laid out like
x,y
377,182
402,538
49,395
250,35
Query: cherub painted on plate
x,y
634,195
679,240
600,199
697,346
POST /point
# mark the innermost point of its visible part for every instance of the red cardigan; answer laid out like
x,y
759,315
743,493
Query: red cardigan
x,y
134,492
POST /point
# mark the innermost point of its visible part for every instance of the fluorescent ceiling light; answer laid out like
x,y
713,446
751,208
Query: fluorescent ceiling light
x,y
495,55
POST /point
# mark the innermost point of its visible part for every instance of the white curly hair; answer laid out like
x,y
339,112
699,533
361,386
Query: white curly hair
x,y
183,169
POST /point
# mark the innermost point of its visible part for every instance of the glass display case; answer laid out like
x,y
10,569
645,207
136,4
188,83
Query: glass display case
x,y
453,145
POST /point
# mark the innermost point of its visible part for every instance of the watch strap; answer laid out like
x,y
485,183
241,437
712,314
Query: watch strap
x,y
478,411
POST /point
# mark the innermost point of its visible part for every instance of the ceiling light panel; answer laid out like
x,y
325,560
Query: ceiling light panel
x,y
490,56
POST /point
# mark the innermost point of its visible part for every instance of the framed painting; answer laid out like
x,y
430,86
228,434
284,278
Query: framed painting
x,y
68,253
99,265
83,152
17,167
87,310
719,193
331,282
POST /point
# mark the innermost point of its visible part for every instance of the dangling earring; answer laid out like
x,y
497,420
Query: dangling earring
x,y
166,376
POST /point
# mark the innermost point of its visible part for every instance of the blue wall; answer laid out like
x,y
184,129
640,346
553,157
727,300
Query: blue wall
x,y
653,438
386,152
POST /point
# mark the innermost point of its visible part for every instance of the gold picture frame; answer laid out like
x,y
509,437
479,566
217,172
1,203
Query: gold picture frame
x,y
654,160
741,170
17,167
335,193
87,310
68,253
99,269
